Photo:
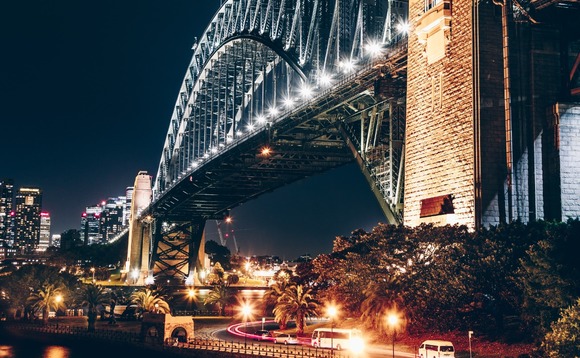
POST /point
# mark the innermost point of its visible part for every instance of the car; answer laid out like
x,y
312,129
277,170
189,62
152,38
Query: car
x,y
285,338
263,335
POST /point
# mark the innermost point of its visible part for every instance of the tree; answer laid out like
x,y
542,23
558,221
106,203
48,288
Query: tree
x,y
20,284
380,297
221,296
562,341
45,299
149,300
274,292
298,303
92,295
218,253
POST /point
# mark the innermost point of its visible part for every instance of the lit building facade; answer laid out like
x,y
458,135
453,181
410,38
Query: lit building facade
x,y
91,225
6,208
28,206
44,240
112,218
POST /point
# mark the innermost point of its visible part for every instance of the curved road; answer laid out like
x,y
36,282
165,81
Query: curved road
x,y
243,333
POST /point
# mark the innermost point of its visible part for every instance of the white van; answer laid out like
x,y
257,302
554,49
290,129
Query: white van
x,y
337,338
436,349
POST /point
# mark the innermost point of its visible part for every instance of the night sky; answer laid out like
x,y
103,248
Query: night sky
x,y
87,91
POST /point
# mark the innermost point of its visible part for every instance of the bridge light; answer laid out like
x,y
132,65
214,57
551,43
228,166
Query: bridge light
x,y
261,119
374,49
325,79
266,151
228,220
250,127
346,66
149,280
238,133
306,91
214,150
403,27
288,102
273,111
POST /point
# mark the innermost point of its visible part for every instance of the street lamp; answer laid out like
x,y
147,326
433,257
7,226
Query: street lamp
x,y
393,322
470,334
93,271
57,301
246,312
191,295
331,311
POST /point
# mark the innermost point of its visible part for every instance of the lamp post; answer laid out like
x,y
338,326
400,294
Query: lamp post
x,y
393,322
246,311
331,311
57,301
191,295
93,271
470,334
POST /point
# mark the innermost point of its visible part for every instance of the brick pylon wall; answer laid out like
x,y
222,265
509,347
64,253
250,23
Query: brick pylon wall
x,y
440,128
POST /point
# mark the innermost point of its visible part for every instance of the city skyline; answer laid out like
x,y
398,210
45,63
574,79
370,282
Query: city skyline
x,y
90,91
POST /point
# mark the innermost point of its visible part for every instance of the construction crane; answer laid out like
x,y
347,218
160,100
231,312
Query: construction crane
x,y
224,237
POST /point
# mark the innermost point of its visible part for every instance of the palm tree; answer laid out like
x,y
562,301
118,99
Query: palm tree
x,y
150,301
297,302
93,295
272,295
380,297
45,299
220,295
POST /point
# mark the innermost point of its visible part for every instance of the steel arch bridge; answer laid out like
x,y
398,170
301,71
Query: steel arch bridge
x,y
277,90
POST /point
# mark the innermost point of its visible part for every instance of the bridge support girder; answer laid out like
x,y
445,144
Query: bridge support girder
x,y
178,249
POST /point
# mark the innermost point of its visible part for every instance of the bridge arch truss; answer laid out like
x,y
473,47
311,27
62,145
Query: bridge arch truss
x,y
251,81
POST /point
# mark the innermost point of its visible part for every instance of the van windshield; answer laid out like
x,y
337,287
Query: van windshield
x,y
446,348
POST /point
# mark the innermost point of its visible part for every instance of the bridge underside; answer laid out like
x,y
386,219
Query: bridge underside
x,y
360,120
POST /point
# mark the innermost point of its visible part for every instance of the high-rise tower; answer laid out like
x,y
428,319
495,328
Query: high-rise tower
x,y
6,208
28,206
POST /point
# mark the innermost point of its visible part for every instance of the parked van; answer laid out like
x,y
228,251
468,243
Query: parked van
x,y
436,349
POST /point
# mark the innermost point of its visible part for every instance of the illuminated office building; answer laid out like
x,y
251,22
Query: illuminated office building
x,y
28,206
6,208
44,240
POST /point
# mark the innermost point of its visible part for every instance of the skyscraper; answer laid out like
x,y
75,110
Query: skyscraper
x,y
44,240
91,225
6,207
28,206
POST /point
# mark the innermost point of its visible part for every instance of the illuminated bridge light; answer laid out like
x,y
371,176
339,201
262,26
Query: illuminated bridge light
x,y
374,49
288,102
266,151
273,111
261,119
325,79
306,91
346,66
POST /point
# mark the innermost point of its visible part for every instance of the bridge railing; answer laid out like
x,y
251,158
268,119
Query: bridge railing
x,y
259,349
197,344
